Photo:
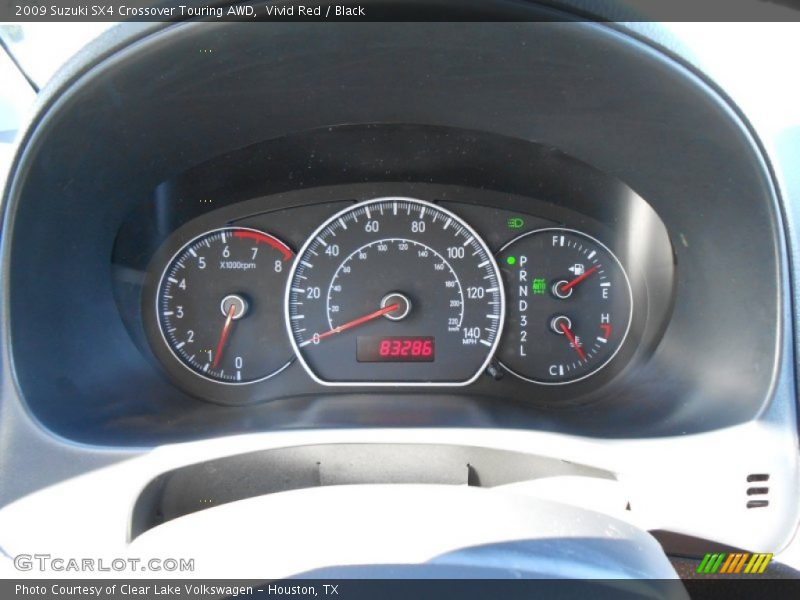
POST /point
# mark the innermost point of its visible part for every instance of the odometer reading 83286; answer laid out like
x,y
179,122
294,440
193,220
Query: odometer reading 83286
x,y
395,349
377,283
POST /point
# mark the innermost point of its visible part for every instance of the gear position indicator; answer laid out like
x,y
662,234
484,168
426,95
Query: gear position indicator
x,y
569,306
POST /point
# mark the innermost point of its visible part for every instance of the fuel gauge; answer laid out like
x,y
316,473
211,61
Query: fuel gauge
x,y
569,306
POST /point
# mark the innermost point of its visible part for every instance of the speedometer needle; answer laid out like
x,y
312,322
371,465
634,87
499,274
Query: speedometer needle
x,y
573,342
571,284
354,323
226,330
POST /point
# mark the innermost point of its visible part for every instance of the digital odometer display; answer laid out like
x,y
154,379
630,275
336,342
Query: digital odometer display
x,y
395,349
394,270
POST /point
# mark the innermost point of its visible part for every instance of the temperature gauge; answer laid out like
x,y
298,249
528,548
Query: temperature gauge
x,y
569,306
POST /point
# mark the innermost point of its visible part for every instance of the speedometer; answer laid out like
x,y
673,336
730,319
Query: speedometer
x,y
394,291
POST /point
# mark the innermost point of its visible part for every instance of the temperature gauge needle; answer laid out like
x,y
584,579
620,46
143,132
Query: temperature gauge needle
x,y
226,330
573,342
571,284
354,323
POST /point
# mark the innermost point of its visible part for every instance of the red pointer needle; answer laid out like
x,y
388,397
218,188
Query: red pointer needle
x,y
572,341
571,284
226,330
355,322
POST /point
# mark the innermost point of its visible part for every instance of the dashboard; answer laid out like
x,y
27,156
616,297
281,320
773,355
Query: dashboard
x,y
671,236
455,253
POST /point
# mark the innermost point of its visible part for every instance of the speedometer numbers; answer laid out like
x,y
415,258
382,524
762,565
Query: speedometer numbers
x,y
569,306
394,291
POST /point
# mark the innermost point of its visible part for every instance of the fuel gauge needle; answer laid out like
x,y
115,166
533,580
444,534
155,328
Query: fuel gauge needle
x,y
226,330
573,342
571,284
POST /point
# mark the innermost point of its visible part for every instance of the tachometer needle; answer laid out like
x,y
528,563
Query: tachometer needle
x,y
573,342
571,284
354,323
226,330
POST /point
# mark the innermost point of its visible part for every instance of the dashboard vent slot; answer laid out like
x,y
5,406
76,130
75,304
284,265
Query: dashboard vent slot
x,y
758,490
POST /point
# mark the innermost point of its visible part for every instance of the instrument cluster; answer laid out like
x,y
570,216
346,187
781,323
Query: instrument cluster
x,y
392,291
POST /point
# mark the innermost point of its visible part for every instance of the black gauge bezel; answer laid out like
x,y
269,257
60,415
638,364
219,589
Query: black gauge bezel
x,y
196,383
595,370
157,299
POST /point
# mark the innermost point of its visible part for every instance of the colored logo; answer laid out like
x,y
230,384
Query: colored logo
x,y
742,562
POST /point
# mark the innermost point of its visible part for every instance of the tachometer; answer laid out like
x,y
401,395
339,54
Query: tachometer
x,y
219,305
394,291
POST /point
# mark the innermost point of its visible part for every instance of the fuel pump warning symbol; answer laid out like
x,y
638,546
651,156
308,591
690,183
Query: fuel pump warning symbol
x,y
577,269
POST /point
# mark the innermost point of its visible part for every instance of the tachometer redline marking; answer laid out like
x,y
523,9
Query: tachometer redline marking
x,y
260,237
